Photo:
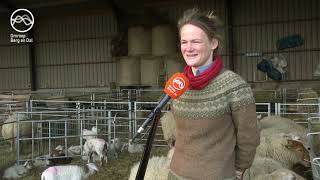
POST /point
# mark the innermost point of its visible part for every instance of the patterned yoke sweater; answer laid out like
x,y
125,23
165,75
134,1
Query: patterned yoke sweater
x,y
216,130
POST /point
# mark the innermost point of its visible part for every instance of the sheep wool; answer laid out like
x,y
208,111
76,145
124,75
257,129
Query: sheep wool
x,y
9,129
261,165
274,146
280,174
168,127
98,146
69,172
158,169
282,124
17,171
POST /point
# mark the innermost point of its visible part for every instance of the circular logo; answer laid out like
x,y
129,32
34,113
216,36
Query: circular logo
x,y
22,20
178,83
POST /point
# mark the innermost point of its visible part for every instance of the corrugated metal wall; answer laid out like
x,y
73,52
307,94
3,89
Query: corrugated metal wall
x,y
259,24
14,60
74,51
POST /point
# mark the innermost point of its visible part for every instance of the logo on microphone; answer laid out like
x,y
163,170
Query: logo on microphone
x,y
178,83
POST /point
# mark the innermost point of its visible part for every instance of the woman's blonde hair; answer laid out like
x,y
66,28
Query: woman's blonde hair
x,y
209,23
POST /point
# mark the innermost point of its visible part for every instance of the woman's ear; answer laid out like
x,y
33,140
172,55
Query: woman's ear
x,y
214,43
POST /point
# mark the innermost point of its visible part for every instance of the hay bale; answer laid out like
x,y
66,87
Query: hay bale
x,y
139,40
150,73
163,40
128,69
172,64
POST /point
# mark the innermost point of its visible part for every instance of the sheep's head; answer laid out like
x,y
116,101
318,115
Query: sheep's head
x,y
287,176
56,153
94,129
299,148
28,164
291,136
92,167
59,148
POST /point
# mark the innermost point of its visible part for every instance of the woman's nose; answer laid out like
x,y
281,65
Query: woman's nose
x,y
189,47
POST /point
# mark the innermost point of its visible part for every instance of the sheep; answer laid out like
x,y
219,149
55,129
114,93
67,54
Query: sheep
x,y
57,156
284,125
261,165
69,172
9,128
299,147
41,162
116,143
277,147
74,150
115,147
17,171
275,125
132,147
280,174
158,167
90,134
168,128
98,146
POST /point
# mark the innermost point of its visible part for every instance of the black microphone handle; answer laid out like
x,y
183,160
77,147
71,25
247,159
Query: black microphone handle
x,y
161,104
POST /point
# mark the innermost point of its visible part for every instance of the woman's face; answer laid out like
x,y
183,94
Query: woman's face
x,y
196,47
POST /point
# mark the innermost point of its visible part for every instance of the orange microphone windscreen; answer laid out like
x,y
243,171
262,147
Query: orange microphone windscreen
x,y
176,85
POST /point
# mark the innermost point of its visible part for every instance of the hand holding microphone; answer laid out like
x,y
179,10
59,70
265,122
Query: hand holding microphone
x,y
175,87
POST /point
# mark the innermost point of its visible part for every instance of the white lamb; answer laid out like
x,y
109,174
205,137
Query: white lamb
x,y
69,172
90,134
17,171
98,146
9,128
114,148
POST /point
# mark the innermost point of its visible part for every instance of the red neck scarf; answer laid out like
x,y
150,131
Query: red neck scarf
x,y
202,80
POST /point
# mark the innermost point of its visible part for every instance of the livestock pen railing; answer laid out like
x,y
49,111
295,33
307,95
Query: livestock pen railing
x,y
298,112
141,111
61,122
52,126
313,137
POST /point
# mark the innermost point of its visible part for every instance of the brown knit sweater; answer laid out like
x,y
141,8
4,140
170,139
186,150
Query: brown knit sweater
x,y
216,129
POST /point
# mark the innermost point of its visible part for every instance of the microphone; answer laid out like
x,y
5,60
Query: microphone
x,y
174,88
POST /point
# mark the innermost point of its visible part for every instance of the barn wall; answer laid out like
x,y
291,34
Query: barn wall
x,y
74,51
259,24
14,60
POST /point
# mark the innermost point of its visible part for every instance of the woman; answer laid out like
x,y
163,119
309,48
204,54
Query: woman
x,y
216,122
